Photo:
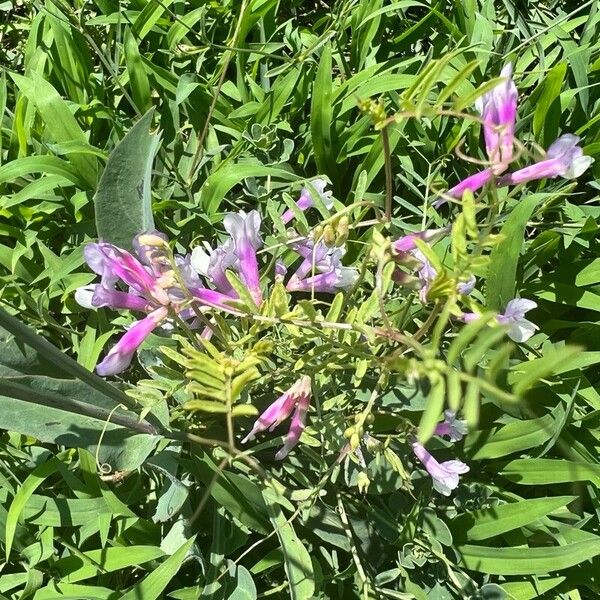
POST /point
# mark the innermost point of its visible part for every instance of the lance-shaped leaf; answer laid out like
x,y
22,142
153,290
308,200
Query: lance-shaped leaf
x,y
123,200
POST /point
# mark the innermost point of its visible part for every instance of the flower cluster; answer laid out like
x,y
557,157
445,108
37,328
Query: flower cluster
x,y
498,110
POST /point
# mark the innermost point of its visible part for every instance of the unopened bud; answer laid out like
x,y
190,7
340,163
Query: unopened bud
x,y
329,235
349,432
151,239
363,482
354,441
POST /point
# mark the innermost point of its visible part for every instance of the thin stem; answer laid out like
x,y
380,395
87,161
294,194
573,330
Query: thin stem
x,y
388,174
227,58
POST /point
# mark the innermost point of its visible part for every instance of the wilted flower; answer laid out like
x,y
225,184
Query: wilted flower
x,y
306,199
296,399
564,158
454,428
445,476
321,270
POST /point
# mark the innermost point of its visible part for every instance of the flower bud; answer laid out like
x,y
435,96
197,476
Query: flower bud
x,y
363,482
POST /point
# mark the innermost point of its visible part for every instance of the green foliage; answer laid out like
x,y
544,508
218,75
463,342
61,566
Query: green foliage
x,y
141,488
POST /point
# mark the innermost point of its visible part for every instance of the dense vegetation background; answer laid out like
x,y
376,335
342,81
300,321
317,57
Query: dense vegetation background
x,y
251,98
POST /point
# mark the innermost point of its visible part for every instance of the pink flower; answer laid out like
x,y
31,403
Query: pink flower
x,y
119,357
306,200
564,159
445,476
244,231
498,109
296,400
407,242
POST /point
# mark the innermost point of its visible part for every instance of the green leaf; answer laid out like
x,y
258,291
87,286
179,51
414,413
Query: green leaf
x,y
138,79
221,181
59,121
152,586
489,522
123,200
502,270
527,561
85,565
513,437
321,116
297,562
26,489
543,471
433,409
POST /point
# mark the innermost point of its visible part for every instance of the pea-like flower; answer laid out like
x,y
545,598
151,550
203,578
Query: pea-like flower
x,y
153,287
519,328
237,253
454,428
296,400
306,199
564,158
445,476
321,270
498,109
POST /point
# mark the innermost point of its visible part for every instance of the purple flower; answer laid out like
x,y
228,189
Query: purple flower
x,y
445,476
244,231
296,400
563,159
214,263
328,275
306,199
407,242
466,287
520,329
119,357
472,183
498,109
454,428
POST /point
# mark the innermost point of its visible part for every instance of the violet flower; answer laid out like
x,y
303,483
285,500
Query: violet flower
x,y
466,287
564,158
120,355
306,199
498,109
472,183
520,329
321,270
214,263
445,476
296,400
454,428
244,231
